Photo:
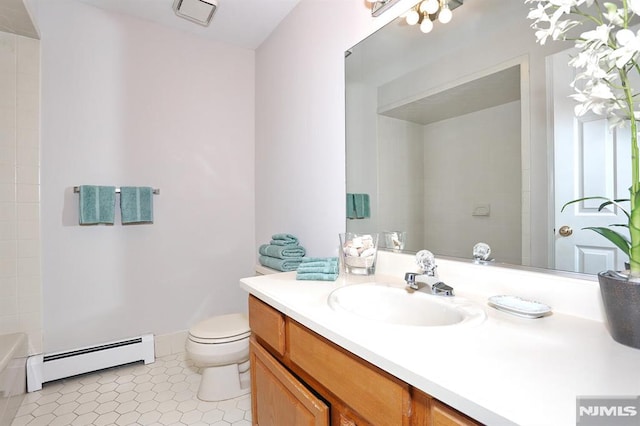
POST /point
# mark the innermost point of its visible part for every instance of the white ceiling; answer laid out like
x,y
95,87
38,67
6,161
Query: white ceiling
x,y
242,23
15,19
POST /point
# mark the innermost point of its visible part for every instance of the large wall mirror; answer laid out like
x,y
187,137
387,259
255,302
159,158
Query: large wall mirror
x,y
467,135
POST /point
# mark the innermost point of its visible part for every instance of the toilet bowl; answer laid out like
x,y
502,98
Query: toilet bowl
x,y
220,347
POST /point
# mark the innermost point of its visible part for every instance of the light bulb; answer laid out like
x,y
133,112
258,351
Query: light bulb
x,y
412,17
426,25
423,6
445,15
431,6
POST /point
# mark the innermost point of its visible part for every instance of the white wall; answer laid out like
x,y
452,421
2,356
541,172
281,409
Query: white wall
x,y
470,164
300,134
401,182
129,102
20,281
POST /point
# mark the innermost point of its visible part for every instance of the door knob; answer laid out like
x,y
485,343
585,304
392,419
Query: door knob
x,y
565,231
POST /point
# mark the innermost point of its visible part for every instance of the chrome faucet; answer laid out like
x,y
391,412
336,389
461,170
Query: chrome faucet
x,y
427,262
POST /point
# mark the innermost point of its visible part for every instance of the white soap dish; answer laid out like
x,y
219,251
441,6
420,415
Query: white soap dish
x,y
518,306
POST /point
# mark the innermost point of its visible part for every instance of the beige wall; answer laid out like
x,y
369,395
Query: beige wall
x,y
20,282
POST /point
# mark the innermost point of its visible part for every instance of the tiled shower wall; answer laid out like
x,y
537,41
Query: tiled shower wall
x,y
20,280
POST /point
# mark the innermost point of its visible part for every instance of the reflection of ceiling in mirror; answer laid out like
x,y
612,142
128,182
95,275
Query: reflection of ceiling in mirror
x,y
495,89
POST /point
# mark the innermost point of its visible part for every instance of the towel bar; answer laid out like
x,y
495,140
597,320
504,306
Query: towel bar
x,y
156,191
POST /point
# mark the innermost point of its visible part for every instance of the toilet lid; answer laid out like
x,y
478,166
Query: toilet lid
x,y
221,327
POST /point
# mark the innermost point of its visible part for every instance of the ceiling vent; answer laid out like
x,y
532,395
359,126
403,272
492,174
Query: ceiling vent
x,y
198,11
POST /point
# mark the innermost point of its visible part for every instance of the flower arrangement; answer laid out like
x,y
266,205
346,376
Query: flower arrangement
x,y
606,64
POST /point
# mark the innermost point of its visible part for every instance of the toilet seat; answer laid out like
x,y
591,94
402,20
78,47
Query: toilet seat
x,y
221,329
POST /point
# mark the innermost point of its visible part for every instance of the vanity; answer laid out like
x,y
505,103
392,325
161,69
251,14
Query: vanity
x,y
312,364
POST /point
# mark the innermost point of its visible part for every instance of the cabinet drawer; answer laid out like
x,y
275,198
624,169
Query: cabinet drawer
x,y
376,396
443,415
267,324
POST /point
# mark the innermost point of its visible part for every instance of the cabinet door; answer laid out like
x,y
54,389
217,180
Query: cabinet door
x,y
278,398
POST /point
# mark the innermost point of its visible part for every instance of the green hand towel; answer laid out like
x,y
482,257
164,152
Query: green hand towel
x,y
136,204
97,204
284,240
284,265
327,265
316,276
282,252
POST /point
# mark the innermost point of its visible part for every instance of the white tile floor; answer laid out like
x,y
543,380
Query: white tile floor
x,y
162,393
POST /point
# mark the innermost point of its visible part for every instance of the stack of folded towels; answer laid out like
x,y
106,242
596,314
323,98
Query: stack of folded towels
x,y
318,268
283,253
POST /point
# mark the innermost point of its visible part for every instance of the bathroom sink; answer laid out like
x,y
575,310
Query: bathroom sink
x,y
394,305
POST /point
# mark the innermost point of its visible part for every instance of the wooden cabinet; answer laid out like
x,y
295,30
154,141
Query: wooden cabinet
x,y
300,378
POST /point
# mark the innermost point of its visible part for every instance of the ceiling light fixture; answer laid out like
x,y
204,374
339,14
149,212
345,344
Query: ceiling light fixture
x,y
425,12
198,11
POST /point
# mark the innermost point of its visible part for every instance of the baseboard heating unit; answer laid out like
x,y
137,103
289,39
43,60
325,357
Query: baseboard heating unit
x,y
59,365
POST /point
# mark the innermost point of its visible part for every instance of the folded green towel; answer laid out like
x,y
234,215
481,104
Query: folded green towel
x,y
97,204
319,259
284,240
328,265
284,265
316,276
282,252
333,269
136,204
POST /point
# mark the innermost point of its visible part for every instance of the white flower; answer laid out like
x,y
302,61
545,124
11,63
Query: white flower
x,y
614,14
603,61
595,38
629,47
634,5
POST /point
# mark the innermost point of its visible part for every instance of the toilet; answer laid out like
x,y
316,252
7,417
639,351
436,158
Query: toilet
x,y
220,346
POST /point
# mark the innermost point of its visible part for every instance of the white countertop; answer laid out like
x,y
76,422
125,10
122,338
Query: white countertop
x,y
505,370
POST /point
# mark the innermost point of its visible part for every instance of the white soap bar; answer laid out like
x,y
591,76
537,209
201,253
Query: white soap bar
x,y
519,306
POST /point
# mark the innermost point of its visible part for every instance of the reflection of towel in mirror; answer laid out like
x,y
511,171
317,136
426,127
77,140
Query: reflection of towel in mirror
x,y
284,265
358,206
97,204
282,252
284,240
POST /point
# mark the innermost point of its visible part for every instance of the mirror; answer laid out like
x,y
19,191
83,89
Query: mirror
x,y
449,134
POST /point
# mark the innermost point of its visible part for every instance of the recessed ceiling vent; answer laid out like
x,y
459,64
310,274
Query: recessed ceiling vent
x,y
198,11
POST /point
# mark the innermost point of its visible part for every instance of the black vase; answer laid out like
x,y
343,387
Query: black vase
x,y
621,299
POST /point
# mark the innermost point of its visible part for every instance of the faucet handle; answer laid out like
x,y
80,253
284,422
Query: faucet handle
x,y
426,261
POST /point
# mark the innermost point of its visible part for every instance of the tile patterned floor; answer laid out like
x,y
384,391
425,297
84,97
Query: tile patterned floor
x,y
162,393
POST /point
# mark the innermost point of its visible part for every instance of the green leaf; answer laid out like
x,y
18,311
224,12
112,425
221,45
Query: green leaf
x,y
607,202
617,239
